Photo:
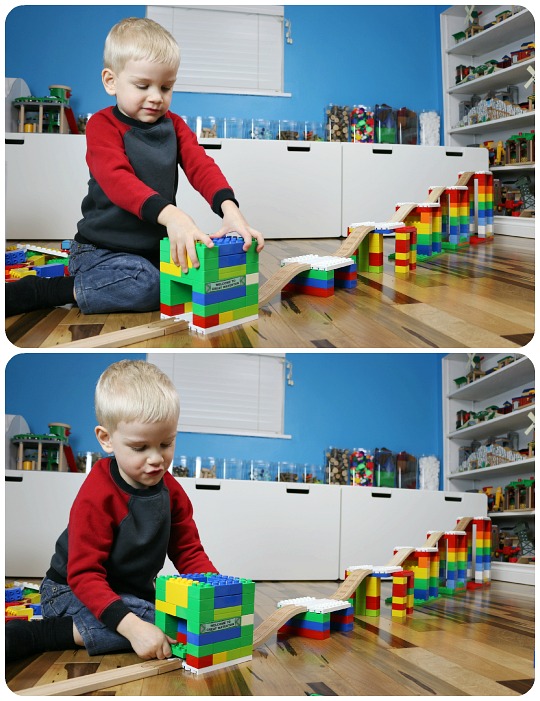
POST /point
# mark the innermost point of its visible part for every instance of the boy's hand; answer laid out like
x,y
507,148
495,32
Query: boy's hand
x,y
183,233
234,222
147,640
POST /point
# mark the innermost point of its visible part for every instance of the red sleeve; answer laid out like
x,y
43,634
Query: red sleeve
x,y
92,520
186,551
201,170
109,165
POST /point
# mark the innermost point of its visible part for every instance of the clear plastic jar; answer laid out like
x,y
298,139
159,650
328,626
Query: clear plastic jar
x,y
337,123
260,129
209,128
183,466
336,465
288,472
362,124
407,127
233,469
233,128
263,471
312,474
206,468
313,131
430,128
288,130
385,124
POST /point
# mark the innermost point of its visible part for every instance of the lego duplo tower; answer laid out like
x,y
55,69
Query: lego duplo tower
x,y
210,616
221,293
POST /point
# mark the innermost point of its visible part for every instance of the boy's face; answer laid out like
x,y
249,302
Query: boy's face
x,y
143,89
143,451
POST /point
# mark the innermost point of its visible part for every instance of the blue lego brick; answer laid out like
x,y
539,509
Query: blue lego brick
x,y
182,625
14,594
231,260
15,257
36,608
53,270
309,625
229,245
217,636
221,296
312,282
345,284
223,602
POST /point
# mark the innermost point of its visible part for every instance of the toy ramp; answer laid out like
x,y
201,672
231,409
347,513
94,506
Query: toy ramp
x,y
351,243
278,281
351,584
274,622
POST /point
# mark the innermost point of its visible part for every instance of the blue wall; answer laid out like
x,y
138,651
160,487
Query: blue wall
x,y
341,54
349,400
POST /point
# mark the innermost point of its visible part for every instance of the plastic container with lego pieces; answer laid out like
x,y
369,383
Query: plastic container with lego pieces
x,y
430,128
361,124
289,472
428,472
385,124
262,471
288,130
312,474
233,469
385,468
234,128
407,127
209,128
183,466
207,468
263,129
337,123
407,471
313,131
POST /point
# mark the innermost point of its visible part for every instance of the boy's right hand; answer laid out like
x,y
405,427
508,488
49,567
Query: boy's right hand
x,y
147,640
183,233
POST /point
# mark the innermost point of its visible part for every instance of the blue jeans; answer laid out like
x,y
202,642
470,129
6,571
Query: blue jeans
x,y
109,281
58,600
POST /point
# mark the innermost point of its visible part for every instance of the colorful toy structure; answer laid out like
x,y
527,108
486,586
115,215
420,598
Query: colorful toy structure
x,y
210,615
27,259
221,293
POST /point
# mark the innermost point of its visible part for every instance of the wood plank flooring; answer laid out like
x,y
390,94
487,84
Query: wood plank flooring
x,y
477,643
479,298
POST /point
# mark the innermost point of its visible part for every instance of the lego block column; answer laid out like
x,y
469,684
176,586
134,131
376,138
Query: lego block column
x,y
404,252
221,293
402,593
419,562
484,210
482,555
322,616
451,212
456,561
322,278
211,617
367,599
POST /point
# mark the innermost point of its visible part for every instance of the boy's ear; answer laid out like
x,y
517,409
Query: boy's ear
x,y
104,439
108,79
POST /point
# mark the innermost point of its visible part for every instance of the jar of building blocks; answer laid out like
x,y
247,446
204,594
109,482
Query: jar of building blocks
x,y
385,124
337,123
313,131
407,470
209,128
183,466
206,468
260,129
312,474
233,469
407,127
336,467
430,128
428,472
288,130
233,128
362,124
384,468
263,471
288,472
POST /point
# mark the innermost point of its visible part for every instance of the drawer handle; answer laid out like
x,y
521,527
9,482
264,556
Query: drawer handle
x,y
211,147
453,499
209,487
15,142
381,495
455,154
14,478
293,490
383,151
301,149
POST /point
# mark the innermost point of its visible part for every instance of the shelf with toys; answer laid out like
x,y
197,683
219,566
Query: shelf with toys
x,y
488,415
488,87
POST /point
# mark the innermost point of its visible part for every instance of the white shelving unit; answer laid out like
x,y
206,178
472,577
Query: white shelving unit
x,y
492,43
492,389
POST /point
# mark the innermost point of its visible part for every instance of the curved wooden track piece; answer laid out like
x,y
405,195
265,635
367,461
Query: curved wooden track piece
x,y
351,243
350,585
400,557
463,523
465,177
274,622
278,281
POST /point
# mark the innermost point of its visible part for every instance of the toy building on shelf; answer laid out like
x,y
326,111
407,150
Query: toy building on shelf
x,y
50,451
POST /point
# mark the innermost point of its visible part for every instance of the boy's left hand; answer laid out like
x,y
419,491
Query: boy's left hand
x,y
235,223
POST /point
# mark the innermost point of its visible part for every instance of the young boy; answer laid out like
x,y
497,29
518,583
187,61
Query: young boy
x,y
133,153
129,514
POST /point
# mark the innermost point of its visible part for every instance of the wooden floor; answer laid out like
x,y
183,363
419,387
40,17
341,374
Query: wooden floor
x,y
478,643
480,298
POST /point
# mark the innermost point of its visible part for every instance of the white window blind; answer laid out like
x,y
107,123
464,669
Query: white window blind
x,y
226,48
228,393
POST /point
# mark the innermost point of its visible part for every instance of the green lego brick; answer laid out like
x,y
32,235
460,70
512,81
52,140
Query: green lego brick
x,y
233,271
245,311
252,266
160,588
172,291
239,652
200,592
167,623
179,650
211,309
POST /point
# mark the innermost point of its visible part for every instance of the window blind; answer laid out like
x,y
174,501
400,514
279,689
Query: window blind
x,y
226,48
228,393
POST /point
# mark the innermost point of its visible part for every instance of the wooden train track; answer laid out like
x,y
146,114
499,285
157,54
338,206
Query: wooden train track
x,y
278,281
274,622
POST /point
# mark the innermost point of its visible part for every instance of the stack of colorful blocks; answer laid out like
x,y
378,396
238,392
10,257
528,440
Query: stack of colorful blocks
x,y
211,617
420,563
322,616
221,293
22,602
327,273
24,260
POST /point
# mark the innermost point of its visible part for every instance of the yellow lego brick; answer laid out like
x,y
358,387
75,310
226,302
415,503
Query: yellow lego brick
x,y
176,591
171,269
225,317
219,657
403,235
166,607
402,256
22,272
37,260
229,612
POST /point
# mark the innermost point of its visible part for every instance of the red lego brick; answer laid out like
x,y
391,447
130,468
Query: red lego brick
x,y
199,662
402,246
205,322
173,310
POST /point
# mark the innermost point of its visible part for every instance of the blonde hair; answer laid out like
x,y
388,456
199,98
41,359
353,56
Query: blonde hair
x,y
135,390
139,39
